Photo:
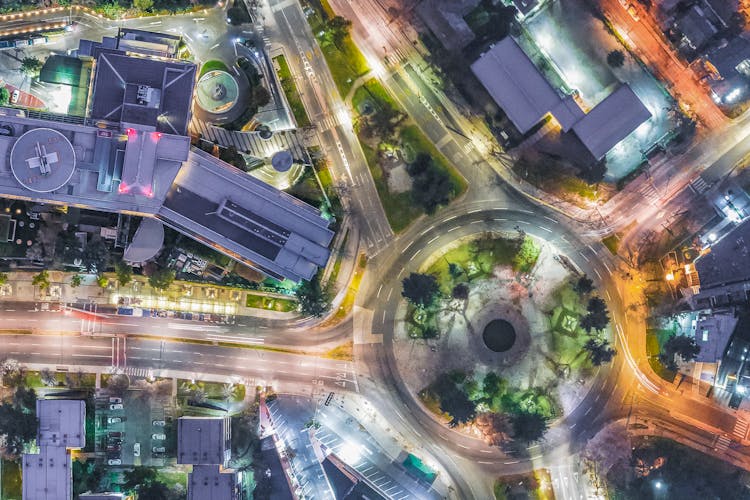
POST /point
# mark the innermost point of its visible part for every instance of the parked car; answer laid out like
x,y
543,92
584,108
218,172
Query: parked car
x,y
114,420
116,407
158,449
114,447
159,423
137,450
15,96
114,461
115,434
158,437
115,400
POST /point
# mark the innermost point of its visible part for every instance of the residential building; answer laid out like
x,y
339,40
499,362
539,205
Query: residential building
x,y
526,96
204,442
47,474
101,496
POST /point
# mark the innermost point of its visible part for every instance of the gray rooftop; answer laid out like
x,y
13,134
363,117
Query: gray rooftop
x,y
143,91
526,96
210,482
727,261
203,440
517,85
62,422
611,121
712,334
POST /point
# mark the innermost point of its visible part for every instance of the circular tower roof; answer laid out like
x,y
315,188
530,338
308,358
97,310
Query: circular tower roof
x,y
282,161
42,160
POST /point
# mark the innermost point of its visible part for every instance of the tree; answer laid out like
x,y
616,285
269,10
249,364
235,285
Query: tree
x,y
76,280
143,5
124,273
48,378
24,398
119,383
526,256
4,96
597,317
528,427
41,280
314,299
259,97
138,476
12,372
430,332
338,28
616,58
453,400
600,351
460,291
102,281
420,289
161,279
31,66
95,256
154,491
3,278
19,427
681,345
431,186
584,285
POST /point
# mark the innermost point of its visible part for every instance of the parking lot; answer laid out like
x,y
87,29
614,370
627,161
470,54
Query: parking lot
x,y
133,429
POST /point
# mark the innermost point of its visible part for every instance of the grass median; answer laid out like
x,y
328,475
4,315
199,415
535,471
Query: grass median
x,y
291,92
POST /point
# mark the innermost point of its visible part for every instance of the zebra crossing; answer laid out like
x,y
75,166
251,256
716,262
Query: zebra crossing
x,y
139,372
740,429
699,186
722,444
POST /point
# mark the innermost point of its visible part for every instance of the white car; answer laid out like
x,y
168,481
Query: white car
x,y
114,420
114,461
158,449
137,450
159,423
15,96
158,437
115,400
116,407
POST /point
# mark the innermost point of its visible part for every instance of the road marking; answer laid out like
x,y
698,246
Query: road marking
x,y
588,410
608,296
597,272
463,446
545,229
433,239
489,463
500,220
573,425
511,463
608,269
474,211
377,295
582,255
415,254
389,295
454,228
550,219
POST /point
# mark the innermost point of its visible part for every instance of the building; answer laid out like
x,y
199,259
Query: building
x,y
445,18
712,332
47,475
526,96
724,271
204,443
132,155
728,68
696,29
101,496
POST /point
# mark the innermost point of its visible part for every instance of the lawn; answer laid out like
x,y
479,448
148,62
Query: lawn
x,y
399,207
270,303
477,259
535,485
211,65
11,477
655,339
345,61
612,242
291,92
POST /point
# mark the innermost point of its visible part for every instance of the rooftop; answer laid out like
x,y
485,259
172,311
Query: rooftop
x,y
712,333
62,422
47,475
526,96
727,261
209,481
203,440
142,91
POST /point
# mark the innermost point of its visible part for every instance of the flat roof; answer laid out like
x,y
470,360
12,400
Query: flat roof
x,y
143,91
203,440
42,160
210,482
62,422
517,85
611,121
47,475
727,261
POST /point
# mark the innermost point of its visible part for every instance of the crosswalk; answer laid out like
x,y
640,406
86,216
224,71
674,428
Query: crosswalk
x,y
139,372
699,185
740,429
722,443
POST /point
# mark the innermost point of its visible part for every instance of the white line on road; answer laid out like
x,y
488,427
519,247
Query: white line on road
x,y
550,219
608,296
545,229
433,239
582,255
588,410
377,295
608,269
454,228
597,273
415,254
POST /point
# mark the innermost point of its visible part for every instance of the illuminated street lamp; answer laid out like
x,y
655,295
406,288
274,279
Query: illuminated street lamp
x,y
670,276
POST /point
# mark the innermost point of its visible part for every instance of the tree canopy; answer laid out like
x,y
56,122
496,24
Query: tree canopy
x,y
597,317
584,285
616,58
31,66
420,289
600,351
681,345
431,186
124,273
528,426
314,299
161,279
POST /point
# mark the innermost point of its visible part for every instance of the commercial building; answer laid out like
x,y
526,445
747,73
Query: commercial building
x,y
526,96
132,155
204,443
47,475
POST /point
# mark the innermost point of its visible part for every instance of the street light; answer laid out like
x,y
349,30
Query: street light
x,y
670,277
